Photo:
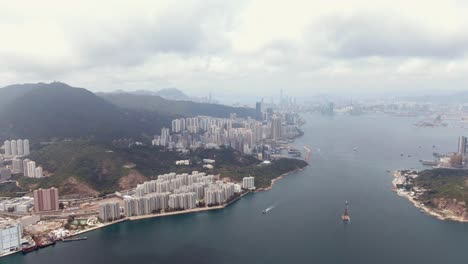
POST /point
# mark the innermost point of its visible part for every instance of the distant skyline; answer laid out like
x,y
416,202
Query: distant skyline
x,y
243,47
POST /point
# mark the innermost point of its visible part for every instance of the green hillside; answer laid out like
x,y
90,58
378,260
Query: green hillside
x,y
57,110
444,183
86,167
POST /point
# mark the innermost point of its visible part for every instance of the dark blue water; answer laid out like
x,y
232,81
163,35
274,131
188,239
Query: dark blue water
x,y
304,226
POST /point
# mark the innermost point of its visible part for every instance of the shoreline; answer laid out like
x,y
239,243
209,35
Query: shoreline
x,y
190,211
436,213
273,181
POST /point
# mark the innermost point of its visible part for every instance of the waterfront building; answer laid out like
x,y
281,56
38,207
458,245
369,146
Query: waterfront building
x,y
31,168
46,200
10,237
7,147
248,183
109,212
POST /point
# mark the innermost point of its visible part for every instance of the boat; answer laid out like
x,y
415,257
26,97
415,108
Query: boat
x,y
355,149
46,243
28,248
71,239
345,216
267,210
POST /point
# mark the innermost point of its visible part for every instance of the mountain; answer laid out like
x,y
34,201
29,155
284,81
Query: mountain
x,y
169,107
44,111
12,92
166,93
173,94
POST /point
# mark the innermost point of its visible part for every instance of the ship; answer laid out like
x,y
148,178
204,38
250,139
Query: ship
x,y
71,239
28,248
267,210
345,216
46,244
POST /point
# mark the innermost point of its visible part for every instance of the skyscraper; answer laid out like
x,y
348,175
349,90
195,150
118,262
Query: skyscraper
x,y
38,172
276,127
46,200
259,110
19,145
25,147
462,141
25,167
14,148
31,168
7,146
109,212
17,165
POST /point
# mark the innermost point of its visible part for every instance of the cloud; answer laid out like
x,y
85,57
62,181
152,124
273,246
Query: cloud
x,y
251,46
364,35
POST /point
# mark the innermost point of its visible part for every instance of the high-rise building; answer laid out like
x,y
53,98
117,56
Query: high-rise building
x,y
14,148
10,237
165,134
276,127
46,200
248,183
5,174
25,167
109,212
17,165
7,146
19,145
31,167
462,142
38,172
25,147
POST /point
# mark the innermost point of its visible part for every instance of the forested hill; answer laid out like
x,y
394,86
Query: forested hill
x,y
57,110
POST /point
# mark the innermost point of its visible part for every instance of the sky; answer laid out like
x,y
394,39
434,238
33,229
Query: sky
x,y
245,47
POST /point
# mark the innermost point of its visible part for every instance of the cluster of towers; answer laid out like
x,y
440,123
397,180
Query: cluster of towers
x,y
17,147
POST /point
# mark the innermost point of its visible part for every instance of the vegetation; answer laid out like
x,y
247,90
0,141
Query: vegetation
x,y
10,189
101,167
57,110
444,183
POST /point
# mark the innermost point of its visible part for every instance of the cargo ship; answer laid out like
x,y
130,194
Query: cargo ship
x,y
345,216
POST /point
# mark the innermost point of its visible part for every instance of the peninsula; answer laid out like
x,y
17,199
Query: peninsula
x,y
441,192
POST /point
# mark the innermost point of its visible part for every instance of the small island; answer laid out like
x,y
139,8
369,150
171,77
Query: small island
x,y
440,192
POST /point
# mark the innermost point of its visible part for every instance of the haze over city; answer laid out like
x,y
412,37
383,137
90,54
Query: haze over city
x,y
238,47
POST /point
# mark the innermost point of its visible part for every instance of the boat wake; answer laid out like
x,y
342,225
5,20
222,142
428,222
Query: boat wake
x,y
268,209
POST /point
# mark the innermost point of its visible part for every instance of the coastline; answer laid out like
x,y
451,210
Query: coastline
x,y
195,210
273,181
441,215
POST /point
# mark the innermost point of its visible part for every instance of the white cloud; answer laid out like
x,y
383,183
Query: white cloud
x,y
247,45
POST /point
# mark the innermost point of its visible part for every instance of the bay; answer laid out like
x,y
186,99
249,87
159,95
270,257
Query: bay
x,y
304,226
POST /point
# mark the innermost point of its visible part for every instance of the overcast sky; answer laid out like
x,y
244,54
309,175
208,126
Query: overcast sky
x,y
241,46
